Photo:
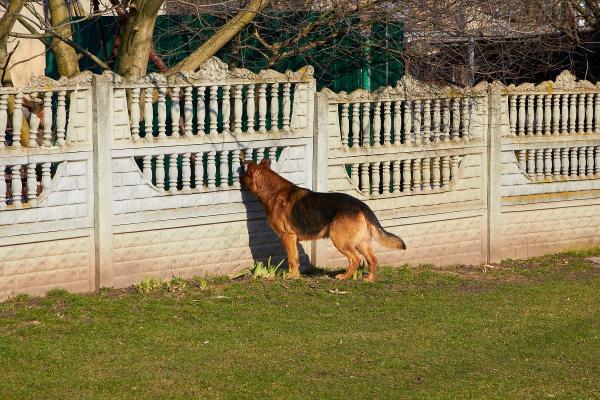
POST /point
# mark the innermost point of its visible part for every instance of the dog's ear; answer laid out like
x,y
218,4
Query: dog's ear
x,y
266,162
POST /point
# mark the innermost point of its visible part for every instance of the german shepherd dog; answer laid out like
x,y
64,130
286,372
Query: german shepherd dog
x,y
296,213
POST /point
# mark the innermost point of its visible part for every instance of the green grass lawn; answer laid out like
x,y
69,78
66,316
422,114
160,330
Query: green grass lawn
x,y
520,330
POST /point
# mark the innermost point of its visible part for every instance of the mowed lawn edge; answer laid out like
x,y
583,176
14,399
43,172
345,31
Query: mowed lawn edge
x,y
520,329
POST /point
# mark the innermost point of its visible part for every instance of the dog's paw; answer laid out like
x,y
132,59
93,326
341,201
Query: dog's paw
x,y
291,275
342,277
369,278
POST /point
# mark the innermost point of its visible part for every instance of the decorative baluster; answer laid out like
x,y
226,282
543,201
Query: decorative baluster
x,y
465,119
582,160
224,169
387,123
213,110
589,165
2,187
237,109
539,163
523,159
34,123
162,113
134,114
235,161
539,115
355,133
175,112
46,178
417,174
564,165
596,113
581,113
260,154
17,120
436,120
147,168
61,118
406,175
397,129
531,163
211,170
275,107
47,138
262,107
377,125
273,155
3,123
437,174
426,174
173,173
455,134
198,171
589,112
521,116
573,161
200,111
160,171
250,109
344,125
597,160
445,171
454,168
547,113
417,122
426,120
555,114
31,184
564,114
226,109
385,177
365,184
354,175
17,186
512,114
530,114
572,112
556,164
395,176
148,114
286,106
375,178
446,122
366,125
188,112
548,163
408,138
186,173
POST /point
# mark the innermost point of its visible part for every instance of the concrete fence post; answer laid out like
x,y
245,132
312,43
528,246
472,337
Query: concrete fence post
x,y
320,162
102,109
494,165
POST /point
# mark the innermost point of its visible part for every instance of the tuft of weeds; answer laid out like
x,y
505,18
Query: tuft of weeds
x,y
261,270
149,285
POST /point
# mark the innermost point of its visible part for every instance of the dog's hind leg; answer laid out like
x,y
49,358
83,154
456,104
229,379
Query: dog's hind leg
x,y
367,252
344,232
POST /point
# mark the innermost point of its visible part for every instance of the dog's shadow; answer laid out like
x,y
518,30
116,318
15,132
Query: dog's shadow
x,y
263,242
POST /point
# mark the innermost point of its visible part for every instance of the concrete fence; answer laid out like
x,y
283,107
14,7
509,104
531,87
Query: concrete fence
x,y
107,181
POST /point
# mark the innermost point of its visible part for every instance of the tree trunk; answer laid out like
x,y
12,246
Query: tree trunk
x,y
6,25
66,57
220,38
136,43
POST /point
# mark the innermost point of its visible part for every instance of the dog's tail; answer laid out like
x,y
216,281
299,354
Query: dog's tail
x,y
384,237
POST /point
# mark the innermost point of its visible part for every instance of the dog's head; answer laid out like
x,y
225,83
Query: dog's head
x,y
252,172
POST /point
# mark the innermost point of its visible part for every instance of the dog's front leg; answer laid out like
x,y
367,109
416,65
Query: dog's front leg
x,y
290,244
